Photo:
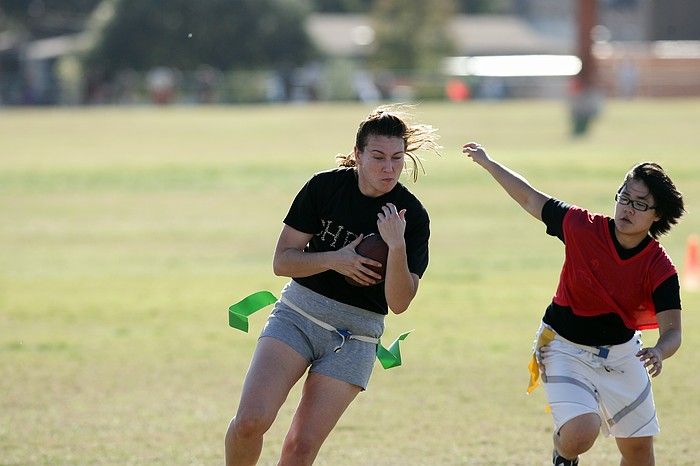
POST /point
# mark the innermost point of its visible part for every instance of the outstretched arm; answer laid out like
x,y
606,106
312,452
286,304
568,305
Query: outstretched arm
x,y
513,183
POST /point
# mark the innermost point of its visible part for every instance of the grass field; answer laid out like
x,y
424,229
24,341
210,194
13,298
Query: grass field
x,y
126,233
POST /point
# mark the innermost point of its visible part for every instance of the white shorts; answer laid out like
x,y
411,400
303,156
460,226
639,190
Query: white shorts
x,y
578,380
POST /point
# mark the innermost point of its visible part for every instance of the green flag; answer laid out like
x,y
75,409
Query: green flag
x,y
238,318
391,357
238,313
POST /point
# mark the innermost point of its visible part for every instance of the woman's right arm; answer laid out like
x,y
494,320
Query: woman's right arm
x,y
513,183
290,260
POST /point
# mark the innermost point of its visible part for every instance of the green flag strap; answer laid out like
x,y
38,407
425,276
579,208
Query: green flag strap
x,y
238,318
391,357
238,313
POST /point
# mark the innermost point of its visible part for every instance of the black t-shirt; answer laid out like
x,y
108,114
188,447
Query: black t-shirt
x,y
605,329
331,207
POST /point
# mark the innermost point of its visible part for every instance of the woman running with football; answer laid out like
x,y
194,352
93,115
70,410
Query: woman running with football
x,y
323,322
616,280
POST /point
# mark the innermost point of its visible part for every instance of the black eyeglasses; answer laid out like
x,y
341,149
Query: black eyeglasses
x,y
637,205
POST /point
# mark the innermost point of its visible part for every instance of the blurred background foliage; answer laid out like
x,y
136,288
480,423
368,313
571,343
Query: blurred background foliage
x,y
45,18
69,52
230,34
224,34
412,35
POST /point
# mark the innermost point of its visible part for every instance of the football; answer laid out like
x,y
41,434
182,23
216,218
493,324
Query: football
x,y
373,247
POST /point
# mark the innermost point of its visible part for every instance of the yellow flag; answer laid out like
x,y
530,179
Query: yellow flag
x,y
546,337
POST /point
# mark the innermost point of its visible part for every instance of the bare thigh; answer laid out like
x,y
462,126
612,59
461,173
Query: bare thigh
x,y
274,370
324,400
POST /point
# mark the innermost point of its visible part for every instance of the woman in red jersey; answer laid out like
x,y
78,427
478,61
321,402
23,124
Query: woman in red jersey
x,y
616,280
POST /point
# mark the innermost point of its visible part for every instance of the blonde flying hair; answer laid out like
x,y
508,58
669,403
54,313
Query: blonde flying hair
x,y
395,121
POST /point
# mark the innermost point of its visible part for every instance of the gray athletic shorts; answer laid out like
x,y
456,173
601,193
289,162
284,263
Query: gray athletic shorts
x,y
354,362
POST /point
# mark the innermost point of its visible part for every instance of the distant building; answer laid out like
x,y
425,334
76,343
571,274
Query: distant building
x,y
352,36
644,48
634,53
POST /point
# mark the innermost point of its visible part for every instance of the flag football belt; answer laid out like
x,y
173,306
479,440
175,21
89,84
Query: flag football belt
x,y
344,333
547,335
600,351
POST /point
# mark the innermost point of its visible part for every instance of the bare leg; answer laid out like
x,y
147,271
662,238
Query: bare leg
x,y
274,370
323,401
636,451
577,435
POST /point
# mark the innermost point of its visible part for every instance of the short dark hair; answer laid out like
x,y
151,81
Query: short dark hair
x,y
669,201
394,121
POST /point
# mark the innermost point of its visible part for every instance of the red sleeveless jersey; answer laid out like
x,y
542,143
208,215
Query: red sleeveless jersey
x,y
594,280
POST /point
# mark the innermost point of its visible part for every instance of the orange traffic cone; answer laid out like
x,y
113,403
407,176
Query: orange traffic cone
x,y
691,266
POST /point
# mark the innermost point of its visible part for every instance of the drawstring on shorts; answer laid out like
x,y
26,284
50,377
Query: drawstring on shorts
x,y
345,334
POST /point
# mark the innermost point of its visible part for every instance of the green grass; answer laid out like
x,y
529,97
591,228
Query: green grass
x,y
126,233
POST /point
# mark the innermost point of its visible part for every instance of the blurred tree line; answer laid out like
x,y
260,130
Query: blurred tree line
x,y
45,18
231,35
411,35
224,34
235,34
